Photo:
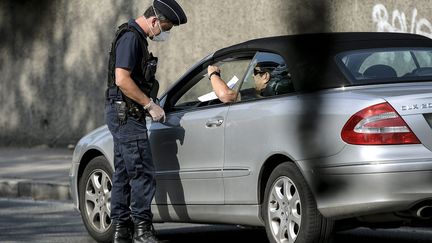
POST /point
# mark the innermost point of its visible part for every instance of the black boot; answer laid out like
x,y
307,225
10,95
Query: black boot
x,y
123,233
144,233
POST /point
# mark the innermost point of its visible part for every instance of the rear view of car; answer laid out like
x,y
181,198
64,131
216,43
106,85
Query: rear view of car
x,y
386,161
380,118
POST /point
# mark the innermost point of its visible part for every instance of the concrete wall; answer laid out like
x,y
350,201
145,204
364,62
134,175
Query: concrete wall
x,y
53,54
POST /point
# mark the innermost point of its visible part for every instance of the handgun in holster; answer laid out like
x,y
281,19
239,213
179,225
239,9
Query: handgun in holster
x,y
122,111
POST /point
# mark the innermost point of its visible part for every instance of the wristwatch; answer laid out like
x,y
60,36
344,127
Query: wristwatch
x,y
214,73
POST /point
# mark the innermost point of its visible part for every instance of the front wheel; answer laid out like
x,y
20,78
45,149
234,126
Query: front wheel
x,y
95,199
289,209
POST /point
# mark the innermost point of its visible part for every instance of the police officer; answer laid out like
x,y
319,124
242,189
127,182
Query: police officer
x,y
131,89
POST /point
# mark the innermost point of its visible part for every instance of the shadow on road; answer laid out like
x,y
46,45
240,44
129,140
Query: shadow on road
x,y
212,234
31,221
399,235
233,234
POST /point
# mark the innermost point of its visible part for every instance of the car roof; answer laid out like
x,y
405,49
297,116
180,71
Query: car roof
x,y
340,41
310,57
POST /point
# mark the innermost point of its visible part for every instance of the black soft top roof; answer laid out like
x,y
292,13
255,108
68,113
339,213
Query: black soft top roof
x,y
310,57
339,41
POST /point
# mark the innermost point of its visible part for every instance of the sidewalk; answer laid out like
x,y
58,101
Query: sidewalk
x,y
37,173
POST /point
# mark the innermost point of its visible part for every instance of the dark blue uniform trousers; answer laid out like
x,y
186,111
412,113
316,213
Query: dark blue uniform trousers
x,y
133,185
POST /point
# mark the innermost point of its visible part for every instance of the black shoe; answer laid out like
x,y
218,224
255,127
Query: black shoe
x,y
144,233
123,233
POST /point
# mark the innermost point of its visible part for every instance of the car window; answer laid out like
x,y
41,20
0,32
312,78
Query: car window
x,y
400,61
386,65
201,93
267,75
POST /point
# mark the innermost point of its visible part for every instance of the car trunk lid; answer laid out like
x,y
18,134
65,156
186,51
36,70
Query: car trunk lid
x,y
412,101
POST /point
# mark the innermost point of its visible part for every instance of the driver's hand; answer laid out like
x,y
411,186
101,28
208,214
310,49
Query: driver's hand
x,y
211,69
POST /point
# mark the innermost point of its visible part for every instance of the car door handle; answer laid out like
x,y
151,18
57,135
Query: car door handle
x,y
214,122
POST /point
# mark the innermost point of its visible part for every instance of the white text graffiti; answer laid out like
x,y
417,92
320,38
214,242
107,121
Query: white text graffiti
x,y
399,22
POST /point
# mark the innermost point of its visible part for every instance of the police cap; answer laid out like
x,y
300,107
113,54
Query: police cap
x,y
172,10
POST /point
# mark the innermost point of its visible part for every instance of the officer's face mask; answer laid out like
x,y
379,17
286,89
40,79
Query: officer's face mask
x,y
163,36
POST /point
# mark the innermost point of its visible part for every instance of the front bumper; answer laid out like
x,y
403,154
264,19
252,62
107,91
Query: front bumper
x,y
360,188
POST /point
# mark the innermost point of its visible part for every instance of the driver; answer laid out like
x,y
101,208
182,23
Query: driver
x,y
261,74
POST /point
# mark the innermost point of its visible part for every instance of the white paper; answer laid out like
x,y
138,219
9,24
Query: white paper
x,y
207,97
232,82
212,95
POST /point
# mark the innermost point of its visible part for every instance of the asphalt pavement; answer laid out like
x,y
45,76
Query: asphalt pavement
x,y
56,221
39,173
42,173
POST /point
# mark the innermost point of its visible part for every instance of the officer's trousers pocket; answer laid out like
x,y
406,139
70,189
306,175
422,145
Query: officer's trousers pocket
x,y
138,158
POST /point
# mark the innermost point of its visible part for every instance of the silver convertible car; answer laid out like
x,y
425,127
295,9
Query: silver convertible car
x,y
341,137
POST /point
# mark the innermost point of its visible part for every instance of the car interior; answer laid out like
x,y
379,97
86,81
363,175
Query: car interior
x,y
380,71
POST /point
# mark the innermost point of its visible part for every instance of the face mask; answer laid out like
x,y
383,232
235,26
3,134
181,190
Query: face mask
x,y
163,36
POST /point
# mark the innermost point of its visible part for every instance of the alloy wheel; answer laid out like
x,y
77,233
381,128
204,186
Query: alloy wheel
x,y
284,210
98,200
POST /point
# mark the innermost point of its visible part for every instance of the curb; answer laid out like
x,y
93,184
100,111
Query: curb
x,y
37,190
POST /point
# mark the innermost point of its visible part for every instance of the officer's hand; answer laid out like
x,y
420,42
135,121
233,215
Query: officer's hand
x,y
211,69
156,112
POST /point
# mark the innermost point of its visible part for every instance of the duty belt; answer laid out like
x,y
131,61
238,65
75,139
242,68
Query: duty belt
x,y
136,112
114,95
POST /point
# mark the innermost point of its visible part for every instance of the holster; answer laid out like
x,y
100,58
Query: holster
x,y
125,107
136,112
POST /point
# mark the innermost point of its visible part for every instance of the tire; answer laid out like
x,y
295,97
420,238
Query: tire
x,y
95,199
289,209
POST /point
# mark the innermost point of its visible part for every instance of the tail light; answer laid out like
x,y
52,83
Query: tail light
x,y
378,125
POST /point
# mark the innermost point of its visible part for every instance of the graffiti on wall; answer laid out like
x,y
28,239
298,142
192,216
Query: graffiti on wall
x,y
400,22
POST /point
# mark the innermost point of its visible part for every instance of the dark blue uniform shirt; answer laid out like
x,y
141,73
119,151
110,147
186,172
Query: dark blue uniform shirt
x,y
129,54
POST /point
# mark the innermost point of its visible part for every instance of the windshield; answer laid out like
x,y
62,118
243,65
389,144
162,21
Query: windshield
x,y
387,65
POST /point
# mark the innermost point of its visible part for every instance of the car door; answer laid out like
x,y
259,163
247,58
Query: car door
x,y
188,149
256,125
